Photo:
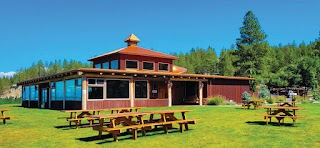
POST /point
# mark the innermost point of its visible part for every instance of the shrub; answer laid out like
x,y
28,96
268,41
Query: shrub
x,y
246,96
263,91
297,98
281,98
315,94
271,100
305,101
216,100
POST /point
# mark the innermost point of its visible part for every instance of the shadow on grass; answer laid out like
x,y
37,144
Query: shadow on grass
x,y
18,106
270,123
124,136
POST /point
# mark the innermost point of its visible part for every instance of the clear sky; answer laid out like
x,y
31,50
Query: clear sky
x,y
33,30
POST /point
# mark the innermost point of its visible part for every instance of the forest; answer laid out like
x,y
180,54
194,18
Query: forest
x,y
251,56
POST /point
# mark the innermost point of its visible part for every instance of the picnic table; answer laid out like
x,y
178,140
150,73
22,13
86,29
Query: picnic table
x,y
281,112
84,114
255,103
116,120
3,116
126,119
286,103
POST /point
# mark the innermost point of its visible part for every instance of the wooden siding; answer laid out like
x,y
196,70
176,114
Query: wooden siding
x,y
151,102
73,105
144,59
102,104
231,89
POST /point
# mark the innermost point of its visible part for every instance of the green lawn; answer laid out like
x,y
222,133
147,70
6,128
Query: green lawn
x,y
219,127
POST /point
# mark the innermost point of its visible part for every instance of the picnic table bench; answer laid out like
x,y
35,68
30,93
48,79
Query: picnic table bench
x,y
286,103
281,112
3,116
123,121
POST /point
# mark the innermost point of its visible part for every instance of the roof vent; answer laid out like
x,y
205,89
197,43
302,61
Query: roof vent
x,y
132,40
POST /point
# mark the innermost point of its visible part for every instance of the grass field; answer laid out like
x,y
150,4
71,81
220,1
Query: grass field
x,y
219,127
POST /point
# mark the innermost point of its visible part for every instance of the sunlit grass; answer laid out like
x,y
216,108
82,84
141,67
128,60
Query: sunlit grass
x,y
218,127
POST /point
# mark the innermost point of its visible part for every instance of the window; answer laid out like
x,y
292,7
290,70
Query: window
x,y
33,93
95,88
70,90
117,89
141,89
53,90
132,64
97,66
59,91
114,64
163,67
25,93
105,65
95,92
78,89
148,66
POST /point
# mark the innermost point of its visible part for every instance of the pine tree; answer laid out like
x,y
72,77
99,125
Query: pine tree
x,y
225,64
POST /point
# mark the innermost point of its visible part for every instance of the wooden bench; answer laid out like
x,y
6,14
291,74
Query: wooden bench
x,y
4,118
147,126
281,117
78,121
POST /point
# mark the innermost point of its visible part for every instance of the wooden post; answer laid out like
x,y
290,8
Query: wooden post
x,y
49,96
84,93
64,93
200,92
170,84
131,90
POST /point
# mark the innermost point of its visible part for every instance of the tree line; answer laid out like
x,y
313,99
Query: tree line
x,y
251,56
40,69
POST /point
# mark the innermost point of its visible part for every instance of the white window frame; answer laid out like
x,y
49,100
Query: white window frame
x,y
163,63
96,85
132,61
149,62
106,88
134,92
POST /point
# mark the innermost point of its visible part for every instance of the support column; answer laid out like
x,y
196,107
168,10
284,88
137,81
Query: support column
x,y
131,90
84,93
170,84
200,92
64,94
49,96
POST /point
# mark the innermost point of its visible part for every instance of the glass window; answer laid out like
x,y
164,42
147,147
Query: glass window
x,y
60,90
70,89
114,64
132,64
117,89
78,82
105,65
53,91
141,89
97,66
95,92
25,93
164,67
148,65
36,92
92,81
100,81
78,93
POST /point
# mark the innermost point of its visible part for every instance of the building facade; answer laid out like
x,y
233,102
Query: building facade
x,y
129,77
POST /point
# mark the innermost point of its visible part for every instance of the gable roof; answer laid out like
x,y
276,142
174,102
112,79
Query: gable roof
x,y
136,50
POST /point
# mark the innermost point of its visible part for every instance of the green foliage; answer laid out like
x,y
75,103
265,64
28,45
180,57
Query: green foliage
x,y
305,101
271,100
216,100
263,91
225,64
297,98
315,94
246,96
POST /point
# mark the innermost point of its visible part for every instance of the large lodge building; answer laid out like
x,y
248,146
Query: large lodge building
x,y
129,77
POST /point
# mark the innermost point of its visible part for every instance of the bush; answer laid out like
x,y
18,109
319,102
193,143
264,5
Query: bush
x,y
297,98
305,101
246,96
263,91
281,98
315,94
271,100
216,100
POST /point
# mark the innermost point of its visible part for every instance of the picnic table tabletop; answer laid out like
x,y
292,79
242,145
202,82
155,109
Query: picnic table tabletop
x,y
111,116
4,109
167,111
282,107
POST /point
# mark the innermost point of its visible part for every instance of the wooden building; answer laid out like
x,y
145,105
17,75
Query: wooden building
x,y
128,77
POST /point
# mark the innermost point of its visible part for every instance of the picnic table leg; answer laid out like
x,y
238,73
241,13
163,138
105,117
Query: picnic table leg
x,y
100,129
181,127
142,122
165,128
4,121
114,134
267,118
184,118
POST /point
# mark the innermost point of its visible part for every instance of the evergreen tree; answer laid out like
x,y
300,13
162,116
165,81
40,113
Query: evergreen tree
x,y
225,64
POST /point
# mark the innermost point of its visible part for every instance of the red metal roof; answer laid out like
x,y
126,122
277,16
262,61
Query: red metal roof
x,y
136,50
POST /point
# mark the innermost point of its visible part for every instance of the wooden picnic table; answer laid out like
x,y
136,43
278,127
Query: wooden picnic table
x,y
84,114
3,116
168,118
286,103
255,103
116,120
281,112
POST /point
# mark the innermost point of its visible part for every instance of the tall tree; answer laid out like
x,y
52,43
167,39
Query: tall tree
x,y
225,64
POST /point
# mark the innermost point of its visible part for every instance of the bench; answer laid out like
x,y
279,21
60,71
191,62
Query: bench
x,y
147,126
281,117
78,121
4,118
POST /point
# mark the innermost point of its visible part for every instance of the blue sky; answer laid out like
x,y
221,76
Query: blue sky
x,y
80,29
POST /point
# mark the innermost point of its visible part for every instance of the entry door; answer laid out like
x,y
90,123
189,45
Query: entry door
x,y
44,99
